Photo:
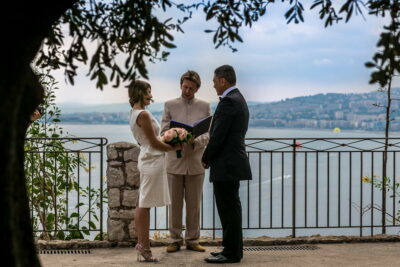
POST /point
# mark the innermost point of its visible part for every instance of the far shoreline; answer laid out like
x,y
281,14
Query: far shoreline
x,y
343,131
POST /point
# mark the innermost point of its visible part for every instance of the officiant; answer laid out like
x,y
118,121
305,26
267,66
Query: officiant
x,y
186,174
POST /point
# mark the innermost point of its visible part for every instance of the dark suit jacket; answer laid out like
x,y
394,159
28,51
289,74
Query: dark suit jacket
x,y
225,152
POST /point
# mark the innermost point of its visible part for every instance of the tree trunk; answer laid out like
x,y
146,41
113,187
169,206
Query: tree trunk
x,y
385,153
20,93
15,226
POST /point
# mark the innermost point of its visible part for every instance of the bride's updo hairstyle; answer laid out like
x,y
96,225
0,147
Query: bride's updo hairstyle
x,y
137,91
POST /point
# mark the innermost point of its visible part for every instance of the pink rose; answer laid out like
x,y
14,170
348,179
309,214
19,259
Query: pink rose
x,y
182,132
173,132
168,136
182,137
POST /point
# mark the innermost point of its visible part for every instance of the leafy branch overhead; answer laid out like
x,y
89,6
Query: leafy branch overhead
x,y
127,34
114,28
386,61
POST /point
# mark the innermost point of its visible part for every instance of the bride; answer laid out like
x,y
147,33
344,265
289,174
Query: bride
x,y
153,191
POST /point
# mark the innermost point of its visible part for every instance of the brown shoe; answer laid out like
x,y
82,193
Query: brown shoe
x,y
174,247
196,247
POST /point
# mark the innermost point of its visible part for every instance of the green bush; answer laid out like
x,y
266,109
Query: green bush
x,y
51,176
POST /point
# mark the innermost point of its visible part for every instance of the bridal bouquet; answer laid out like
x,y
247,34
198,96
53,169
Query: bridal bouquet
x,y
176,136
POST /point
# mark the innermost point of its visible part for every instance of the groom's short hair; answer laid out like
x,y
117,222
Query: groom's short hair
x,y
227,72
192,76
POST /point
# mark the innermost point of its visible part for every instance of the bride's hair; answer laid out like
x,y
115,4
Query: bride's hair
x,y
137,91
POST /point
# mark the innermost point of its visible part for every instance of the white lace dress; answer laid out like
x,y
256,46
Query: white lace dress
x,y
151,164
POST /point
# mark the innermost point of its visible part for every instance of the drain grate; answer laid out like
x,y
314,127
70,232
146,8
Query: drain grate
x,y
64,251
281,248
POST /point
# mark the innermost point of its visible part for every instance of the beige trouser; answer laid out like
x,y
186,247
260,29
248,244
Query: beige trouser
x,y
188,187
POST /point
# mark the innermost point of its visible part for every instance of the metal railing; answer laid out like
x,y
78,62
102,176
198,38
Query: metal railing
x,y
65,186
300,185
312,185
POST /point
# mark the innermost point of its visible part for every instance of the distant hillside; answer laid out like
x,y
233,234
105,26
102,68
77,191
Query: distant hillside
x,y
68,108
327,111
321,111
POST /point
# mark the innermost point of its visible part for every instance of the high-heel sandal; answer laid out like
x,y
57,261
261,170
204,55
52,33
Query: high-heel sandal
x,y
145,253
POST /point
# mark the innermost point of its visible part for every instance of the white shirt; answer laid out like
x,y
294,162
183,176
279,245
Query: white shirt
x,y
227,91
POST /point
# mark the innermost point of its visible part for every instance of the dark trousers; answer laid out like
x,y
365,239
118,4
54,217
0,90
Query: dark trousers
x,y
230,213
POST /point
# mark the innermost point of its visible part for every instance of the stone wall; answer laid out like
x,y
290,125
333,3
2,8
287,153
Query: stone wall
x,y
123,189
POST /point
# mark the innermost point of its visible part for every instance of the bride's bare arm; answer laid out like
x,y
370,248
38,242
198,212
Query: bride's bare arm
x,y
144,121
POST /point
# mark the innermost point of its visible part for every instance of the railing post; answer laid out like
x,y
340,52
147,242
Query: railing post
x,y
294,189
384,179
101,188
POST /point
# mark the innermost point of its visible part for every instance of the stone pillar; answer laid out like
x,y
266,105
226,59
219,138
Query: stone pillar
x,y
123,189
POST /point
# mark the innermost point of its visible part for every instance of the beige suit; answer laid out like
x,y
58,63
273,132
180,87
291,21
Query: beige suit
x,y
186,174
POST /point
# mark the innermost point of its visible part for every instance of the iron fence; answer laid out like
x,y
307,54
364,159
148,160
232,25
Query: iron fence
x,y
312,186
65,186
299,185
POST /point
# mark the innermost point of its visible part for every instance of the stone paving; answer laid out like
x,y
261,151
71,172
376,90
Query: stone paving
x,y
355,254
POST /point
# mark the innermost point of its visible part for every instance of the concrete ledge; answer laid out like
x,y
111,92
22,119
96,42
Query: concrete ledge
x,y
260,241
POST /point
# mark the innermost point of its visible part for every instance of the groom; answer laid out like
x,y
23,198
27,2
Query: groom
x,y
226,155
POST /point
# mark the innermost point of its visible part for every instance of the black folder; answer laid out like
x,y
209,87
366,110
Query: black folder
x,y
198,128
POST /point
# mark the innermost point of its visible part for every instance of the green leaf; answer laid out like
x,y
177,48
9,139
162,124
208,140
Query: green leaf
x,y
50,218
168,45
98,236
85,230
92,225
370,65
60,235
102,77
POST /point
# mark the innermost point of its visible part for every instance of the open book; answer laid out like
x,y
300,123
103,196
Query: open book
x,y
198,128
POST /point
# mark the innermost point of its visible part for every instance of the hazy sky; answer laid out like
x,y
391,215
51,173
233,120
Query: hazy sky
x,y
276,61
